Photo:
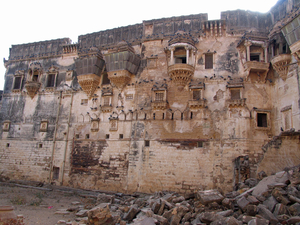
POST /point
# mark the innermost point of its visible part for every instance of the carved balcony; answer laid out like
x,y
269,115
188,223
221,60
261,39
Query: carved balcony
x,y
196,104
257,67
32,87
236,102
280,64
159,105
181,73
119,78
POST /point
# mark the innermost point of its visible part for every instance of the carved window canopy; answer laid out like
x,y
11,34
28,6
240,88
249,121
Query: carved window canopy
x,y
6,125
18,81
44,125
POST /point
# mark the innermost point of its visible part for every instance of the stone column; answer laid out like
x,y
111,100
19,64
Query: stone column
x,y
172,56
266,52
248,44
187,54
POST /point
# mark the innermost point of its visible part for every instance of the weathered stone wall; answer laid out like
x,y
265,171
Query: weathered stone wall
x,y
145,130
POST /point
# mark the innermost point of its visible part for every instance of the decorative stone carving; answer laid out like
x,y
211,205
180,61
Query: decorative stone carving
x,y
280,64
6,125
119,78
113,124
89,83
156,105
44,126
32,87
69,75
236,102
181,73
95,125
196,104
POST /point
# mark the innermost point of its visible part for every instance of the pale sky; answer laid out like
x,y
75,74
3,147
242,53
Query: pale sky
x,y
31,20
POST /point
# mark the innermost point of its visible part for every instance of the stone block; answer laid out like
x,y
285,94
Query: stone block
x,y
242,203
257,221
251,210
82,213
253,200
209,196
209,217
225,213
295,209
267,214
280,209
131,213
270,203
293,220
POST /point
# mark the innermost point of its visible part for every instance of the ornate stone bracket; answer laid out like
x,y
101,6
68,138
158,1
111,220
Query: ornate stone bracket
x,y
280,64
89,83
32,87
236,102
196,104
159,105
181,73
119,78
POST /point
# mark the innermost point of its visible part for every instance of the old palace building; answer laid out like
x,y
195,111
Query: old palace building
x,y
179,104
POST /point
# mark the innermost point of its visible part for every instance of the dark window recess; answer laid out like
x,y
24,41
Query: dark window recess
x,y
172,116
181,116
254,57
87,136
154,116
17,84
262,120
105,79
145,116
163,116
208,61
77,136
55,173
7,145
40,145
196,95
35,76
191,115
147,143
235,94
50,80
200,144
284,51
107,136
121,136
180,60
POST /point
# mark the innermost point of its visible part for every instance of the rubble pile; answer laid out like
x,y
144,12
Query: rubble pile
x,y
273,200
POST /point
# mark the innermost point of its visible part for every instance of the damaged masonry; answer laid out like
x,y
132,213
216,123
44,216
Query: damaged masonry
x,y
175,104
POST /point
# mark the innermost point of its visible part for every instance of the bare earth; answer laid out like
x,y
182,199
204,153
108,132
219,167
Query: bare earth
x,y
39,206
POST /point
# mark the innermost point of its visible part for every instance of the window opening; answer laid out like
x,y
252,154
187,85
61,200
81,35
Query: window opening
x,y
154,116
35,76
262,120
159,96
163,116
196,95
17,84
208,61
172,116
106,101
7,145
120,136
107,136
87,136
77,136
55,173
50,80
40,145
191,115
200,144
181,116
254,57
147,143
235,94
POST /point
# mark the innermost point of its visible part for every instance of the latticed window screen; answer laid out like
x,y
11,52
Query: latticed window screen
x,y
235,94
159,96
196,95
208,61
106,101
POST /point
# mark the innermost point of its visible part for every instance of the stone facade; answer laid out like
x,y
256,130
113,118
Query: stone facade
x,y
179,104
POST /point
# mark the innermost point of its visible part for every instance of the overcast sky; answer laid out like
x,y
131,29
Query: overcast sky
x,y
31,20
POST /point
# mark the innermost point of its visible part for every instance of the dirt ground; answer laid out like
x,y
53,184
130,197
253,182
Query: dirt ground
x,y
39,206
